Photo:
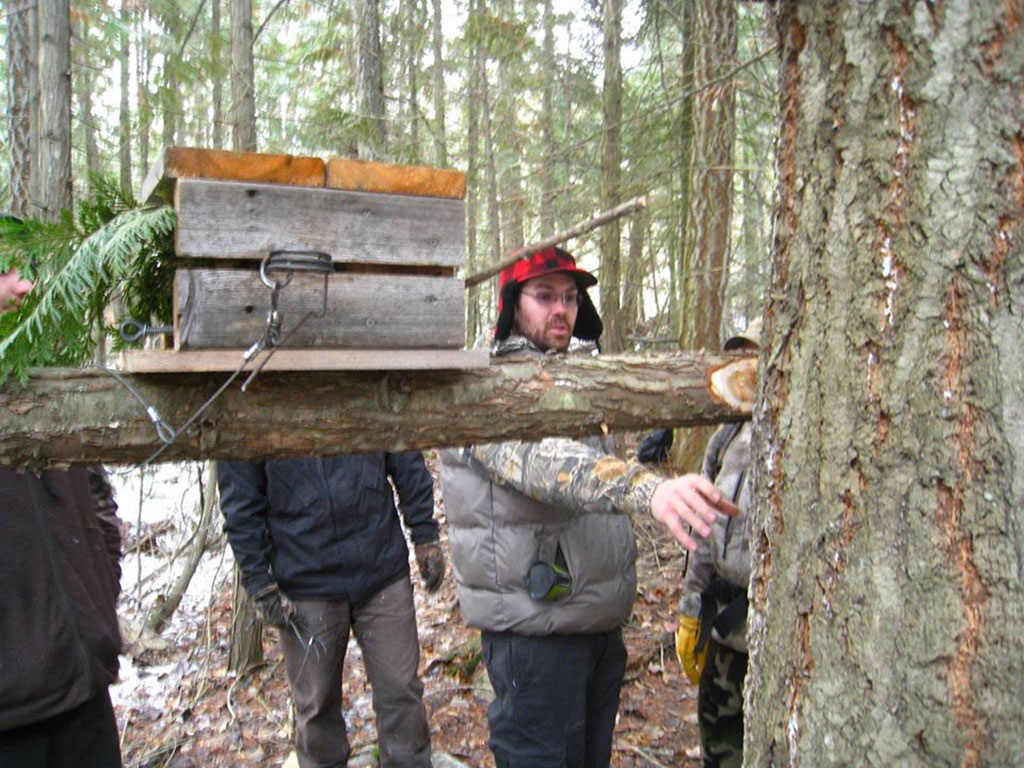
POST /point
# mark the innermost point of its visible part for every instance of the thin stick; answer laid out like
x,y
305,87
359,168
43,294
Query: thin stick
x,y
633,206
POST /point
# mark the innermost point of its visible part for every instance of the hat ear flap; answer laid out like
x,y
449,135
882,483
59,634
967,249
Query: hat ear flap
x,y
588,323
509,300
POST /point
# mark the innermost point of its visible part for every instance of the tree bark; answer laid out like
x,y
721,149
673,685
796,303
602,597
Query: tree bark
x,y
245,649
22,91
86,119
474,299
547,123
411,58
706,260
124,148
217,81
611,174
55,108
85,416
886,624
373,137
490,167
243,85
440,131
143,62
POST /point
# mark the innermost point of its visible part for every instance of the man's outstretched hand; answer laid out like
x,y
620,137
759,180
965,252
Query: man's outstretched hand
x,y
689,500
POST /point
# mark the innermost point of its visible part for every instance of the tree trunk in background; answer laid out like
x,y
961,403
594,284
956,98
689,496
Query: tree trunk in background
x,y
84,86
373,136
22,91
171,102
490,172
706,271
143,61
632,313
413,60
243,87
245,648
124,143
440,97
611,172
54,108
217,75
474,298
513,202
547,125
886,622
687,79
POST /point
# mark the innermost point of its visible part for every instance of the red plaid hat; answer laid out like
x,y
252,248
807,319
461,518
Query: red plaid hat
x,y
588,323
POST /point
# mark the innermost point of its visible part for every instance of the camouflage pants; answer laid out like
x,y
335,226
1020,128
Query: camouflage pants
x,y
720,707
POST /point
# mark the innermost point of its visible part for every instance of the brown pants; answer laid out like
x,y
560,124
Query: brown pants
x,y
385,628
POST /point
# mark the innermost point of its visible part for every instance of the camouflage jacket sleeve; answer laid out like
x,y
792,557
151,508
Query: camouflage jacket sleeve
x,y
568,473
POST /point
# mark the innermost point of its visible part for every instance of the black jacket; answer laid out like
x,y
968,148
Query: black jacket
x,y
325,529
60,546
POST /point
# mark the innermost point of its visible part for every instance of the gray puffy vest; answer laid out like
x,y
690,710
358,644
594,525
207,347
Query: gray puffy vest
x,y
496,533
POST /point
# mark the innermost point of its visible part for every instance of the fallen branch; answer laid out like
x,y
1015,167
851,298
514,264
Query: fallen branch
x,y
600,219
170,604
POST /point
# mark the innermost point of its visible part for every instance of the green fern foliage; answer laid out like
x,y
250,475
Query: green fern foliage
x,y
113,250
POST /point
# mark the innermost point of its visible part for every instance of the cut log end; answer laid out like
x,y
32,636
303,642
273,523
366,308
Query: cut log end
x,y
735,384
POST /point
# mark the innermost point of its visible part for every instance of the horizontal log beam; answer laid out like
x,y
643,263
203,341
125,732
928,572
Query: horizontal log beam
x,y
82,416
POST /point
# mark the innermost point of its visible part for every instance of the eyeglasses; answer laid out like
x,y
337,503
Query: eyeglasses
x,y
547,298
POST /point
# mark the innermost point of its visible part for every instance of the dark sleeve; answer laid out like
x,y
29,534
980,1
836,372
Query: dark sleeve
x,y
415,489
106,512
654,448
243,500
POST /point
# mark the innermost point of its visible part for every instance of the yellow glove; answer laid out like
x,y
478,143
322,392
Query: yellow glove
x,y
686,648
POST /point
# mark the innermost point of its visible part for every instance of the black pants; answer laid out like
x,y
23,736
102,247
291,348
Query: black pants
x,y
556,698
85,737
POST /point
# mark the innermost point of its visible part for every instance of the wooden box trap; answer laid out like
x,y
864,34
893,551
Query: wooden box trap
x,y
306,265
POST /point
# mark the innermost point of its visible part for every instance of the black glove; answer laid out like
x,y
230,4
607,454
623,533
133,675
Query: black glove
x,y
654,448
430,559
272,607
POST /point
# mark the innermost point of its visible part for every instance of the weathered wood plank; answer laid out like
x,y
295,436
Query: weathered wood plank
x,y
232,220
175,163
227,308
346,173
285,359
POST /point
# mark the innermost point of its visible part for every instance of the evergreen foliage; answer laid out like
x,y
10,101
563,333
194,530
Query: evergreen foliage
x,y
113,249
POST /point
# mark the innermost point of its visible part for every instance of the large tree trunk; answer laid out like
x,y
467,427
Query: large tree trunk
x,y
243,86
22,92
886,620
706,259
55,108
86,416
611,173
